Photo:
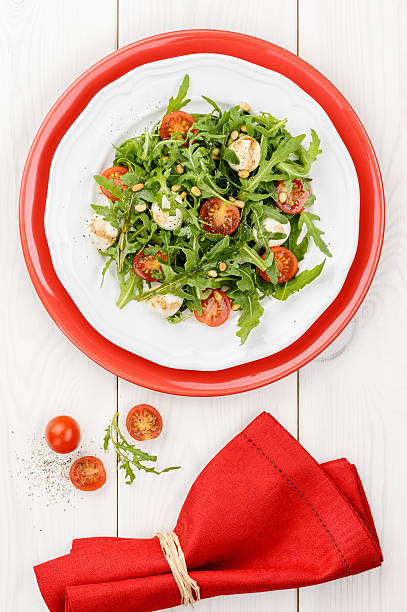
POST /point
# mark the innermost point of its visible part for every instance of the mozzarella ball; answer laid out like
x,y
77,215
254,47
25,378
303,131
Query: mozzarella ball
x,y
275,227
162,216
164,305
101,233
248,151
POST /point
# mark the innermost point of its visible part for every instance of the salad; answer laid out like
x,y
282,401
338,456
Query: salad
x,y
209,213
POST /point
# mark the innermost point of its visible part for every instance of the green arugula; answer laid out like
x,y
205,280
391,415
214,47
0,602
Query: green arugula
x,y
190,257
283,291
129,457
180,100
313,232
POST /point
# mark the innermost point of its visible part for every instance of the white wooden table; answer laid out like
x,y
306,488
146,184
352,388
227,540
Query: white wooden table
x,y
348,402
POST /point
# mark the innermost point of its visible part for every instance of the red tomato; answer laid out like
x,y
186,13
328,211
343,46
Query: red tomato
x,y
63,434
144,422
286,261
215,309
292,202
87,474
145,266
219,217
115,172
177,122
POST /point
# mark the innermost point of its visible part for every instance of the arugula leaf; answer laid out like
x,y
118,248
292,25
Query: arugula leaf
x,y
129,457
306,158
250,317
212,103
269,211
249,255
128,287
109,185
265,172
298,248
313,232
282,292
179,101
229,155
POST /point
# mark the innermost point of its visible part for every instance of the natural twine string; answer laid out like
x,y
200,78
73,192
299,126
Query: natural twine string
x,y
172,550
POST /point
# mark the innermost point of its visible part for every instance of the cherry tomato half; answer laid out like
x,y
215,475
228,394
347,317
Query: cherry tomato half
x,y
286,261
115,172
63,434
147,266
215,309
219,217
177,122
144,422
87,474
292,202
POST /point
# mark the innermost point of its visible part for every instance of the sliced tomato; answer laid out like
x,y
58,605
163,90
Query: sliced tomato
x,y
286,261
219,217
215,309
177,122
114,173
144,422
292,202
87,474
147,266
62,434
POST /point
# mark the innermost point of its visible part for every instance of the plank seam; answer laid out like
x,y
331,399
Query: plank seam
x,y
306,500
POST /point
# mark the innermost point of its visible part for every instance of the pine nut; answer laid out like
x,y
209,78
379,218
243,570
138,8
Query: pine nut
x,y
283,196
231,199
195,191
243,128
239,203
175,188
140,207
222,266
243,174
165,158
212,273
236,307
216,151
183,195
244,106
180,168
217,296
138,187
234,135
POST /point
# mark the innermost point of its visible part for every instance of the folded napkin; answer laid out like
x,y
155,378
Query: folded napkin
x,y
263,515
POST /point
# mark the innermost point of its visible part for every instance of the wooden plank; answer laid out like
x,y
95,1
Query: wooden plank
x,y
352,397
196,428
269,19
44,46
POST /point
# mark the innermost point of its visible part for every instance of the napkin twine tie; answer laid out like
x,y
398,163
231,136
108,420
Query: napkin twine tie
x,y
171,547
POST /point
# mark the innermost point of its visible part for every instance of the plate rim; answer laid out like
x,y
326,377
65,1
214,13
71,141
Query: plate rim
x,y
60,306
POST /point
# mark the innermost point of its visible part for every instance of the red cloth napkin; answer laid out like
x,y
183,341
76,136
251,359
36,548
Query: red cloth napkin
x,y
263,515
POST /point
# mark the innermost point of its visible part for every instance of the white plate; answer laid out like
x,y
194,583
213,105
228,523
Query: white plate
x,y
123,109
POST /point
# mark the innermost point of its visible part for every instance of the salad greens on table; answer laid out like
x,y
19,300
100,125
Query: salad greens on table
x,y
198,208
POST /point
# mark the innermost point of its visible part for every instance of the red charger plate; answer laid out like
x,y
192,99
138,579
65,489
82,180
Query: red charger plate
x,y
136,369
